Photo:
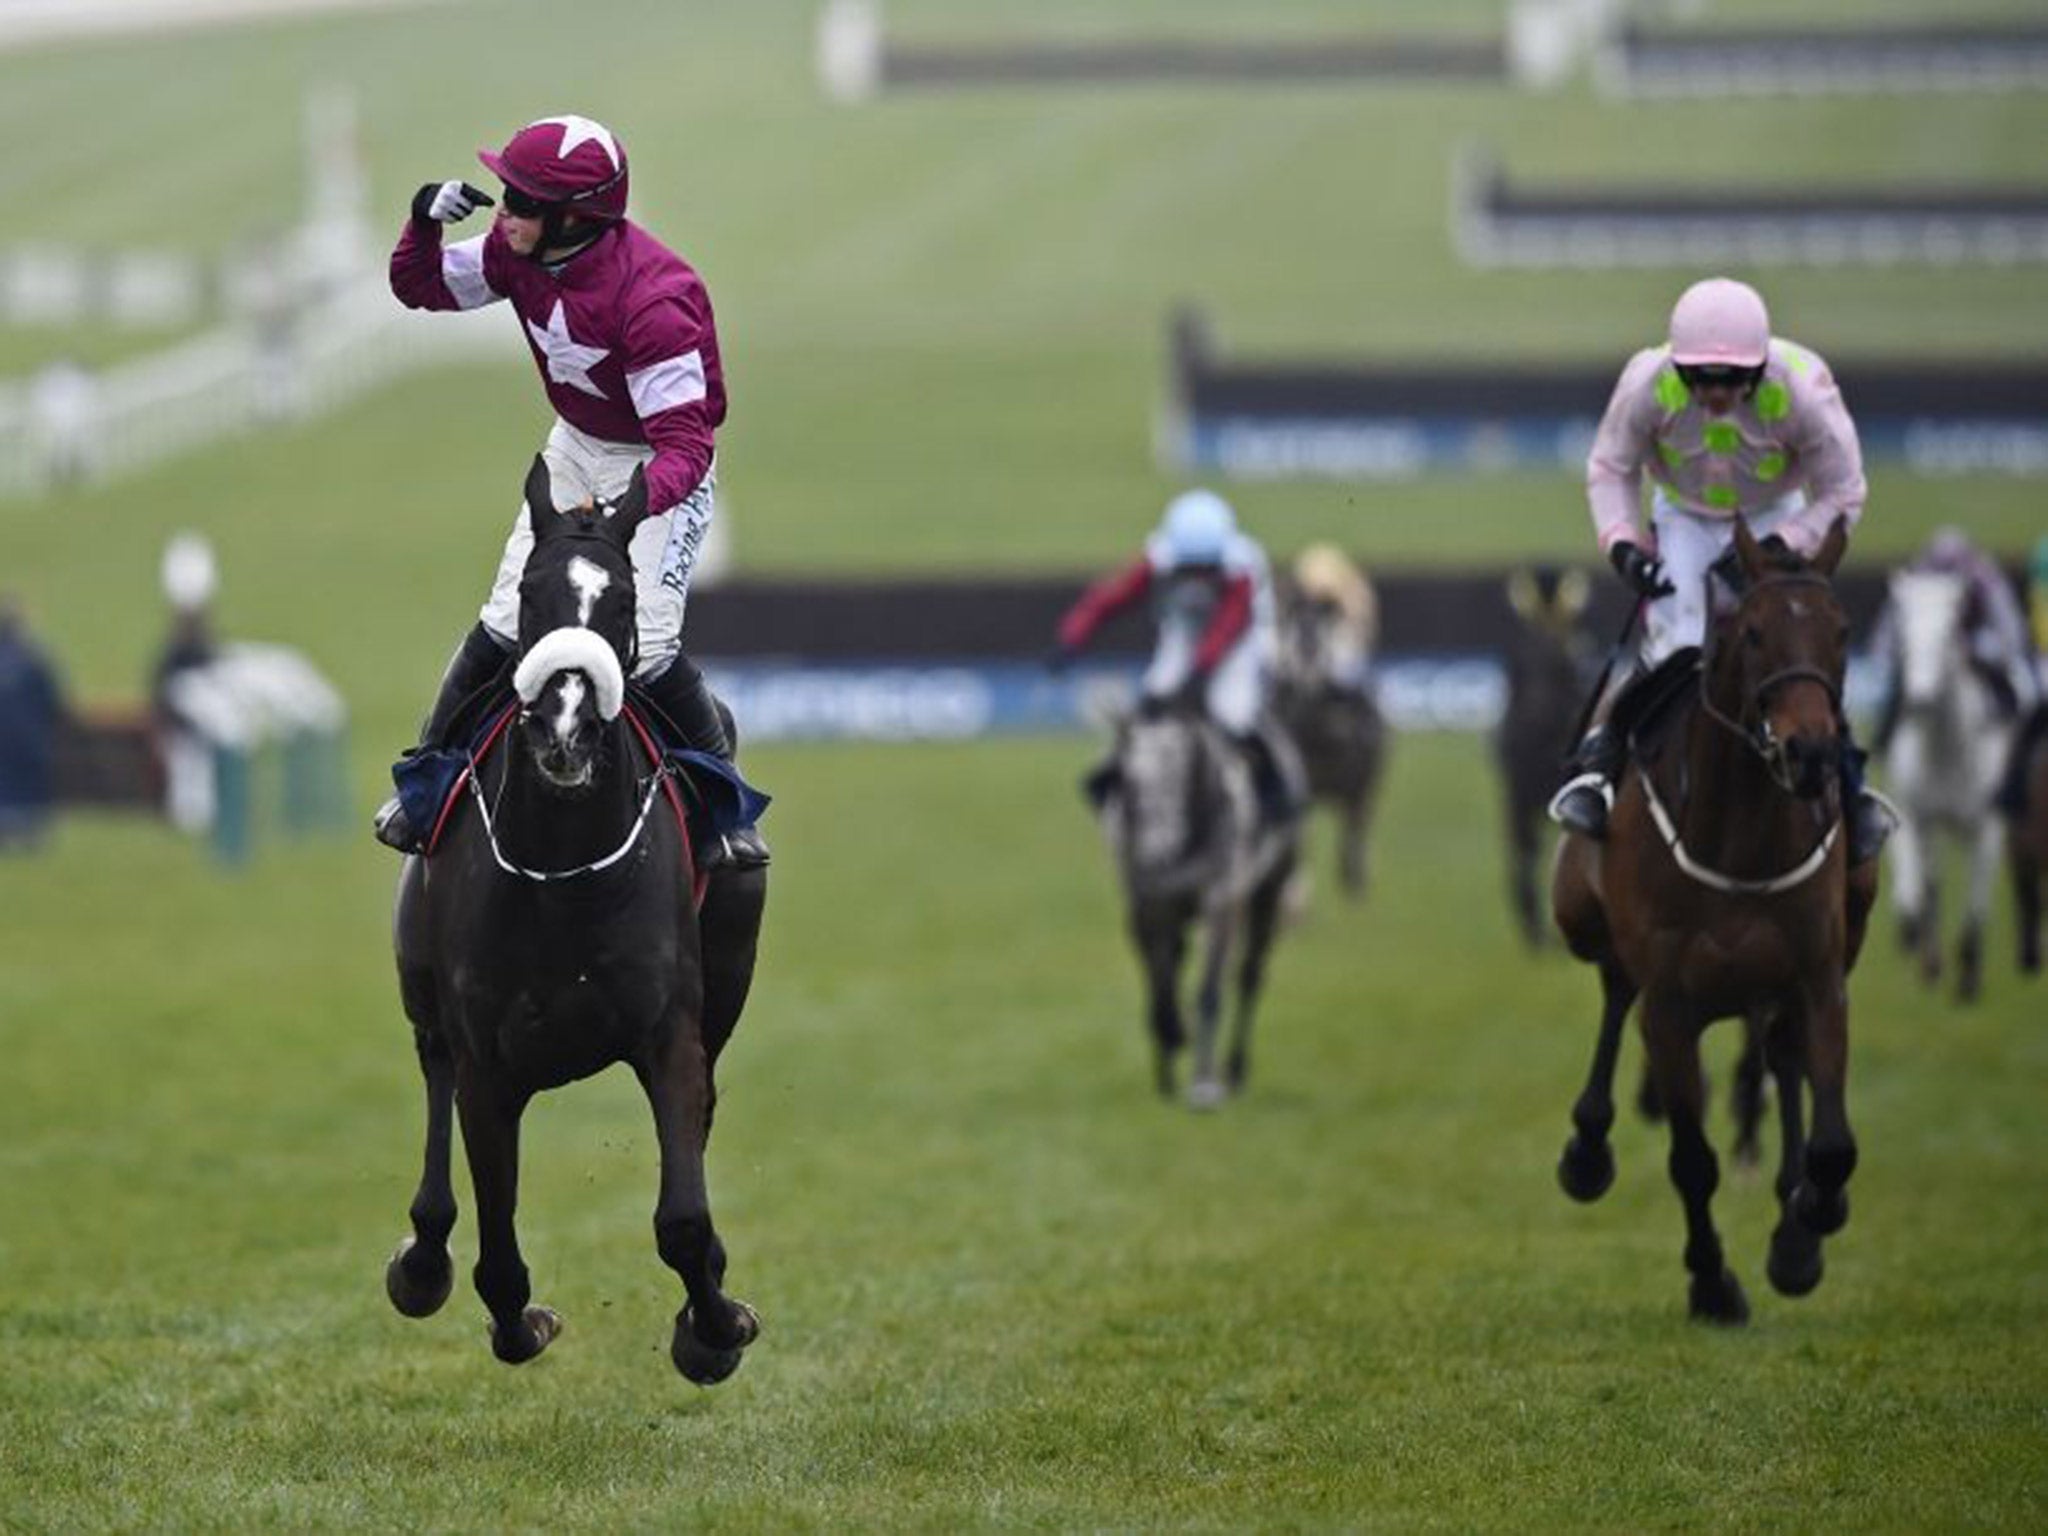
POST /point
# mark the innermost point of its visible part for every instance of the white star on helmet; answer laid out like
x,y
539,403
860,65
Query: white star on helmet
x,y
581,130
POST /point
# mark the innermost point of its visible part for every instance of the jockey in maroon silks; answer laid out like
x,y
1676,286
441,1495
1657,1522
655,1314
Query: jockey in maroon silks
x,y
621,329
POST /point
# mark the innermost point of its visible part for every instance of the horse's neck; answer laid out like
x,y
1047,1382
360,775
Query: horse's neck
x,y
542,828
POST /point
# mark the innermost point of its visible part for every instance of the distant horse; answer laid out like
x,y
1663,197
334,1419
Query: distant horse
x,y
1723,889
1545,683
1942,767
2027,846
1183,824
553,933
1337,727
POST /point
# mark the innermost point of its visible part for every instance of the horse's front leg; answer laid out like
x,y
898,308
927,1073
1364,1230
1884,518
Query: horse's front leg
x,y
1820,1202
1749,1088
1913,896
1983,871
712,1329
421,1274
1220,925
490,1137
1159,931
1795,1259
1262,922
1524,840
1587,1167
1351,870
2026,900
1672,1036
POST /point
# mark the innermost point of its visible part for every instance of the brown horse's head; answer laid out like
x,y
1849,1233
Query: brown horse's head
x,y
1779,659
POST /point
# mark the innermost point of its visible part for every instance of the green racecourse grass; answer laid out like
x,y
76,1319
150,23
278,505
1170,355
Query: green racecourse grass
x,y
1002,1284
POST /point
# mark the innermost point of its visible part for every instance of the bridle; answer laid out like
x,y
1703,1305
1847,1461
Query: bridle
x,y
1759,737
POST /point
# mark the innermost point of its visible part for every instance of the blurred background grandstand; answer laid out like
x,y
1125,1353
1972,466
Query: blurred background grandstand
x,y
991,280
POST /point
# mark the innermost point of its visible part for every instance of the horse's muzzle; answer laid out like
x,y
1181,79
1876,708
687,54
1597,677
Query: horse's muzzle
x,y
1807,764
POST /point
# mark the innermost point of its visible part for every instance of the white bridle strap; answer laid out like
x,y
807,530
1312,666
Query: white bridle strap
x,y
1715,880
573,649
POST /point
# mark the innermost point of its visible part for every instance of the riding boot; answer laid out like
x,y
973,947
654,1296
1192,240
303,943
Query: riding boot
x,y
1870,819
1588,795
1279,798
685,700
476,664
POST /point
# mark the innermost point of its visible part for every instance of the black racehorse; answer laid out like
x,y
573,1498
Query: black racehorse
x,y
1545,663
1338,729
1192,849
553,933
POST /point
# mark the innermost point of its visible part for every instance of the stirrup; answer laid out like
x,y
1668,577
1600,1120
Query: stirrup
x,y
1867,841
1573,819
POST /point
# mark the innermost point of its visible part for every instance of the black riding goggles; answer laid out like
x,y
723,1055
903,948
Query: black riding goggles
x,y
1692,375
522,205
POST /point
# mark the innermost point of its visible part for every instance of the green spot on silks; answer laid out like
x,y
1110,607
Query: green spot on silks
x,y
1671,392
1721,437
1722,496
1773,401
1672,457
1796,358
1770,466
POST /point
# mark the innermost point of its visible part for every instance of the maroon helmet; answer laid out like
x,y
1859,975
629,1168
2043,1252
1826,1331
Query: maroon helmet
x,y
569,162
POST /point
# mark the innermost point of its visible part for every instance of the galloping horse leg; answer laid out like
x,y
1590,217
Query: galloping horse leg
x,y
1749,1088
1970,947
712,1328
1587,1167
1523,839
1821,1200
420,1274
490,1136
1795,1259
730,929
1351,845
1262,921
1206,1091
1673,1041
1160,932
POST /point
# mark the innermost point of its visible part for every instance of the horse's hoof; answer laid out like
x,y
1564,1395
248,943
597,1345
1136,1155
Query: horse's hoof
x,y
1206,1093
1719,1300
416,1283
708,1364
1586,1170
538,1328
1821,1214
1795,1263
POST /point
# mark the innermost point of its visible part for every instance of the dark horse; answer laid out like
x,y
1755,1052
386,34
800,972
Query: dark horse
x,y
553,933
1338,730
1723,888
1544,684
2027,844
1184,825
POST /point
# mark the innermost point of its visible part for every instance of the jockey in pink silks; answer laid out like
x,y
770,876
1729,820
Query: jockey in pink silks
x,y
621,330
1723,420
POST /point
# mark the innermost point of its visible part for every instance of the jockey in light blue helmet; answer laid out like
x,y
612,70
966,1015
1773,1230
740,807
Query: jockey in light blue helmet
x,y
1197,528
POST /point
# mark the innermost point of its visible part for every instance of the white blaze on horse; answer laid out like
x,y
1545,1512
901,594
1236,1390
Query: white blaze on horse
x,y
1942,767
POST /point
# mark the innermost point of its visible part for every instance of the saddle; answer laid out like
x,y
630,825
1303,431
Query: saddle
x,y
707,795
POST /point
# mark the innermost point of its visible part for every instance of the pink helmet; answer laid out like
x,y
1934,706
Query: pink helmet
x,y
572,161
1721,321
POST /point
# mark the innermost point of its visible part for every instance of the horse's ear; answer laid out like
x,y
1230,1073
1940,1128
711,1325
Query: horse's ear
x,y
1747,550
540,500
630,510
1829,555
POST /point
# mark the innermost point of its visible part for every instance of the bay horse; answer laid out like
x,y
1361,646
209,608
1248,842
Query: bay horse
x,y
1943,763
1545,681
1338,730
1184,826
1723,890
553,933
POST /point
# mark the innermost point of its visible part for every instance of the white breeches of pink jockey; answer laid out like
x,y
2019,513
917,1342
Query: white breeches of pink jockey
x,y
1237,688
665,548
1689,544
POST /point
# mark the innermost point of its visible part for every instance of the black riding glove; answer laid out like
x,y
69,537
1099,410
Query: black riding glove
x,y
448,202
1644,572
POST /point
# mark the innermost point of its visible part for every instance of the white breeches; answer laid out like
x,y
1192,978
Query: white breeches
x,y
665,548
1237,688
1689,544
